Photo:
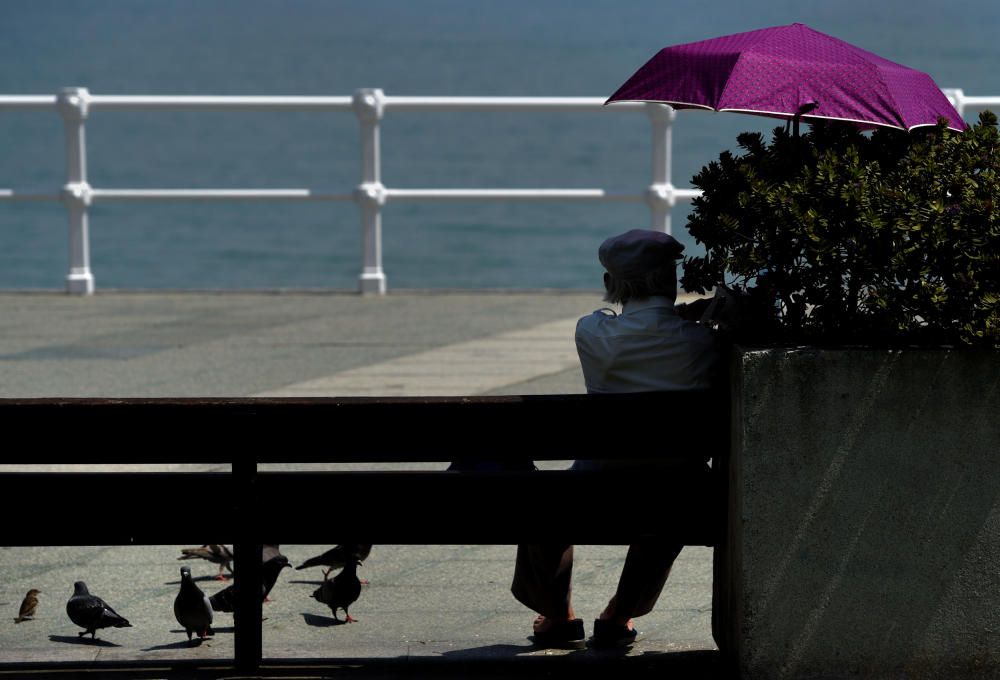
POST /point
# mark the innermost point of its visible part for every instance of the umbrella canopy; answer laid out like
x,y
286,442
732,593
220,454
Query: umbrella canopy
x,y
790,72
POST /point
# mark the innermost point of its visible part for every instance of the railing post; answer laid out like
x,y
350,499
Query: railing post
x,y
957,99
660,194
370,194
73,106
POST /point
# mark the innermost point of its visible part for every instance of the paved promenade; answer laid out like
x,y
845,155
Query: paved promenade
x,y
435,603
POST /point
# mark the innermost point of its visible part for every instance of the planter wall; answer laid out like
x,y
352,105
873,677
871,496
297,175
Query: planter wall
x,y
864,515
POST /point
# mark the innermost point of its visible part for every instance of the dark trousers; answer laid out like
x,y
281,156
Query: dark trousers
x,y
543,575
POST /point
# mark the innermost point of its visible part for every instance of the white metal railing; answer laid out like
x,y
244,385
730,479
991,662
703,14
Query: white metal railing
x,y
369,106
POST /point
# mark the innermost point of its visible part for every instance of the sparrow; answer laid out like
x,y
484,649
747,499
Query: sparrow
x,y
192,608
342,591
91,612
216,554
337,557
28,606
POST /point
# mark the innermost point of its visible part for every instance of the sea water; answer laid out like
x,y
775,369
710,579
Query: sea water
x,y
417,47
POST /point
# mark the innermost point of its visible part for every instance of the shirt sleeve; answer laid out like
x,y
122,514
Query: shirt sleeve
x,y
592,349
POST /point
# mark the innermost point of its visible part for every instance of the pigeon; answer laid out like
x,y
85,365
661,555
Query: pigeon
x,y
28,606
341,591
271,569
216,554
337,557
225,599
270,551
192,607
91,612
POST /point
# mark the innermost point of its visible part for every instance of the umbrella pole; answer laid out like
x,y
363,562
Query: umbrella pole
x,y
805,108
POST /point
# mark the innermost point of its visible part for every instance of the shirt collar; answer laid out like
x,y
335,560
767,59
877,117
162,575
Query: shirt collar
x,y
653,301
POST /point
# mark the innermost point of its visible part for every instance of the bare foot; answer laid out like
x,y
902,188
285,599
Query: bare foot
x,y
542,624
609,614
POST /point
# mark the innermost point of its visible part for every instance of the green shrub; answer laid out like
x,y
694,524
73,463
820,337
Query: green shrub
x,y
841,237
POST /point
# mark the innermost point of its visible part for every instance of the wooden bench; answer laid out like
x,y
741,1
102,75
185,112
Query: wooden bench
x,y
442,507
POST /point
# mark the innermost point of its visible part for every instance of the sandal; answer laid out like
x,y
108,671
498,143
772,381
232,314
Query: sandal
x,y
608,634
563,634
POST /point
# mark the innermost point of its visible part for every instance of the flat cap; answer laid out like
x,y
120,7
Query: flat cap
x,y
638,251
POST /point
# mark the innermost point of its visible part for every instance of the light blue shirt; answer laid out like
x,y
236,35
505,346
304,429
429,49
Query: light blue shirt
x,y
647,347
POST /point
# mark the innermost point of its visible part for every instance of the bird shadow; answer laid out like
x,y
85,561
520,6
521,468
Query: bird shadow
x,y
308,583
182,644
321,621
93,642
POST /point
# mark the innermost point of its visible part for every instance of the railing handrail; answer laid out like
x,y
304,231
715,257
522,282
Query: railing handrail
x,y
312,102
957,97
369,105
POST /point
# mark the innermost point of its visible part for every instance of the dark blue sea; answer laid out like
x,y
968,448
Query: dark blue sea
x,y
429,47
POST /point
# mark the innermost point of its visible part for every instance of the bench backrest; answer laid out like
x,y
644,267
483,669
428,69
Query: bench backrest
x,y
142,507
443,507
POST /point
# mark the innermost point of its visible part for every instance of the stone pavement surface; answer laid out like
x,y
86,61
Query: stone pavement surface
x,y
424,602
237,344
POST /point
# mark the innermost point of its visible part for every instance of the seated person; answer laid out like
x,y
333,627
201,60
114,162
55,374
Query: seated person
x,y
650,346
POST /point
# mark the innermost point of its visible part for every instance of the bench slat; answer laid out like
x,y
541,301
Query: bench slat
x,y
427,508
405,429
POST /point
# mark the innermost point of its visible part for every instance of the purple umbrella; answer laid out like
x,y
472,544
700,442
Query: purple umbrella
x,y
790,72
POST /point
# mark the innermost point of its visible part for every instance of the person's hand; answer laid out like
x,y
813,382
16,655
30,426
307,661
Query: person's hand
x,y
693,311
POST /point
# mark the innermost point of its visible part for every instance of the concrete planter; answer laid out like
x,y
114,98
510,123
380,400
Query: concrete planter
x,y
864,515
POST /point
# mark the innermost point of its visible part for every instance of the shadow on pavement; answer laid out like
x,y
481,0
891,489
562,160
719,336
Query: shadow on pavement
x,y
495,652
180,644
90,642
492,662
321,621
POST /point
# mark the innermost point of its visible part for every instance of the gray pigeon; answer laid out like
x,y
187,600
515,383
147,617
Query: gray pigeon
x,y
337,557
216,554
225,599
192,607
342,591
91,612
269,552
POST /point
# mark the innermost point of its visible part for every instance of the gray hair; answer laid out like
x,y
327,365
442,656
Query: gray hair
x,y
659,281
